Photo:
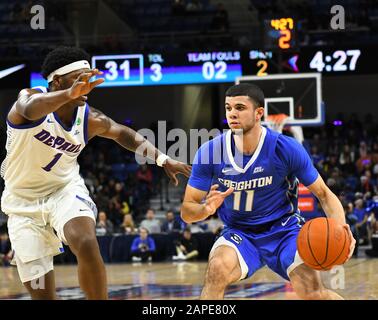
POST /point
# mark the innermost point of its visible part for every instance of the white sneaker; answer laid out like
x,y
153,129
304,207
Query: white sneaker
x,y
181,256
149,259
136,259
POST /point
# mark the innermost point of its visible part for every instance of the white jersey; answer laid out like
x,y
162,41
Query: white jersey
x,y
42,156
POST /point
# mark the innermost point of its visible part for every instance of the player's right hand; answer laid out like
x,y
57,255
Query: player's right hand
x,y
215,198
82,85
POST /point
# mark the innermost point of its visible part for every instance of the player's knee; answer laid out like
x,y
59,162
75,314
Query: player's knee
x,y
219,271
83,244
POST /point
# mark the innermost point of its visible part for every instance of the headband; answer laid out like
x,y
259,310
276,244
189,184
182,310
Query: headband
x,y
69,68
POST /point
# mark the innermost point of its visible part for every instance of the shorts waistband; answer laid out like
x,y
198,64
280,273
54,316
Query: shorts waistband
x,y
261,228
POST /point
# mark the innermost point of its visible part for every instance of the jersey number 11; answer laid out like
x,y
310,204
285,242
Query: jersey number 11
x,y
248,202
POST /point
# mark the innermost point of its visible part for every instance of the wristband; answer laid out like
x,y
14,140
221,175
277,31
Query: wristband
x,y
161,159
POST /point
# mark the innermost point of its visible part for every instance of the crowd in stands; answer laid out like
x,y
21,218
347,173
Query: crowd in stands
x,y
345,152
346,155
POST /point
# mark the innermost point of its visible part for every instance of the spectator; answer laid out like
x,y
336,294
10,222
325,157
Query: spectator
x,y
361,225
143,247
317,157
128,226
365,184
364,159
186,247
346,153
104,227
214,224
372,211
144,177
115,211
150,223
171,224
197,227
6,252
352,219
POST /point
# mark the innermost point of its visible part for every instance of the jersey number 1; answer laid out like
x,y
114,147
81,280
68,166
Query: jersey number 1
x,y
248,202
53,162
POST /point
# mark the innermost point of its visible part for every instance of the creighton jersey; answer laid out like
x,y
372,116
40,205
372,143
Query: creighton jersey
x,y
265,184
42,156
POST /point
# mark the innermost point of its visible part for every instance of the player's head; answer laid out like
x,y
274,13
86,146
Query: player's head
x,y
63,65
244,106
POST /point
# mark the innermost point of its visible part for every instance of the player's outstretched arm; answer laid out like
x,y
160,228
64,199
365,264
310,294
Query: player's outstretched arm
x,y
331,206
101,125
33,105
198,204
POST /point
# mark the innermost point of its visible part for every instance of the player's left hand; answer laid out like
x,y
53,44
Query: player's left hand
x,y
352,241
173,167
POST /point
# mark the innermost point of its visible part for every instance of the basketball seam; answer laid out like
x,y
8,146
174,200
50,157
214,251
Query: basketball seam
x,y
309,245
345,237
327,243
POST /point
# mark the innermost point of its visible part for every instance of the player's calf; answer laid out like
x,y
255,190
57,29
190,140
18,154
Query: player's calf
x,y
80,235
307,284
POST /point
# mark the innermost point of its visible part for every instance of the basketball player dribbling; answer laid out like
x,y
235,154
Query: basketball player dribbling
x,y
47,128
248,175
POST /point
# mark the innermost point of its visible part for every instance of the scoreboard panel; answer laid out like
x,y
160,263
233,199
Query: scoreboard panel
x,y
175,68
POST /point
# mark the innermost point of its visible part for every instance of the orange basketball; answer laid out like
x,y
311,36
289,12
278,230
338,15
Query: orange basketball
x,y
323,243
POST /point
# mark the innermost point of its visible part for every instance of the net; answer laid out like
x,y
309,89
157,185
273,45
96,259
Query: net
x,y
277,122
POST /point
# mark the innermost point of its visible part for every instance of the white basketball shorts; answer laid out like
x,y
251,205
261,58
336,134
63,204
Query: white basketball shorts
x,y
35,226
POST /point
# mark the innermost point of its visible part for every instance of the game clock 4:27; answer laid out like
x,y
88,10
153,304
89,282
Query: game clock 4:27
x,y
336,61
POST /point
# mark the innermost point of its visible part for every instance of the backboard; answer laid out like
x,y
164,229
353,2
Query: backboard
x,y
297,95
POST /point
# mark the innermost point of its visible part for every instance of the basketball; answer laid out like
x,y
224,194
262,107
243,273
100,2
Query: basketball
x,y
323,243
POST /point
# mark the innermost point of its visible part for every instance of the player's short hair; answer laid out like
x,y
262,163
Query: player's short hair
x,y
62,56
247,89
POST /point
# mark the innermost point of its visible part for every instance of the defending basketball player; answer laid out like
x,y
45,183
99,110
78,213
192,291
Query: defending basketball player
x,y
47,130
254,190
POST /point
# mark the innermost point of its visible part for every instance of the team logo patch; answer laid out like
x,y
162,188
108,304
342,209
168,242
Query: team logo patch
x,y
258,170
236,238
78,121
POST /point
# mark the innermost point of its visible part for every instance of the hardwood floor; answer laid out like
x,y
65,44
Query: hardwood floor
x,y
358,279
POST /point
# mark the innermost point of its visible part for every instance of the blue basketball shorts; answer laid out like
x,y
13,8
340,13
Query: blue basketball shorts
x,y
275,247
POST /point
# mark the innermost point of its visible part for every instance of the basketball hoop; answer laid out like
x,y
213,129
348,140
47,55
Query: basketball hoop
x,y
277,122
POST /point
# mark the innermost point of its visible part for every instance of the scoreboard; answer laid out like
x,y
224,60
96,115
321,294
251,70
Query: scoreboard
x,y
206,67
171,68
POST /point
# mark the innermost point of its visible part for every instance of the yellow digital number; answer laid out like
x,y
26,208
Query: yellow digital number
x,y
284,40
264,65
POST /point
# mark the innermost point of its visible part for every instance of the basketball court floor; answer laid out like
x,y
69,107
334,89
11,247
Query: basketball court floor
x,y
183,280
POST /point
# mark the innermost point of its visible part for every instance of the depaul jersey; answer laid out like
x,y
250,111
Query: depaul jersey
x,y
42,156
265,184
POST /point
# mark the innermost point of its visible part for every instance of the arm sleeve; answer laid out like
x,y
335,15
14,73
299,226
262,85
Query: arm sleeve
x,y
202,170
296,159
